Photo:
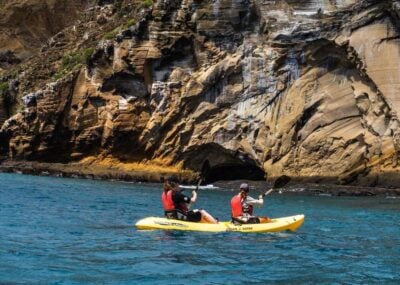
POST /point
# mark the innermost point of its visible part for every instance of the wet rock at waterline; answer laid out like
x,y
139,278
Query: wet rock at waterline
x,y
232,89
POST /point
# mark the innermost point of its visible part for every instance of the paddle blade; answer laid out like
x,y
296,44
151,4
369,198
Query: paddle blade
x,y
281,181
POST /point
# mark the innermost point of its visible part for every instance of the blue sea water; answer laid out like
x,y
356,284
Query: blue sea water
x,y
71,231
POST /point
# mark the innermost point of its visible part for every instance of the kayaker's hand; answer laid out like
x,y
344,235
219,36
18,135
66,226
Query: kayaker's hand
x,y
260,197
194,197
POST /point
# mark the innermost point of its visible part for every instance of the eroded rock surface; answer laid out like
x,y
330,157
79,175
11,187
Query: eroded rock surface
x,y
234,89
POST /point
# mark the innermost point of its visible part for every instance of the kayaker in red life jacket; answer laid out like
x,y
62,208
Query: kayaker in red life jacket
x,y
176,205
242,206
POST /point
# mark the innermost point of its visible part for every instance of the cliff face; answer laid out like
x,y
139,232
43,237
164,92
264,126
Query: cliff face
x,y
232,88
26,24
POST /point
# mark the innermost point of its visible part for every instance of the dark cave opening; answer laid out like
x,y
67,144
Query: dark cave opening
x,y
231,171
4,141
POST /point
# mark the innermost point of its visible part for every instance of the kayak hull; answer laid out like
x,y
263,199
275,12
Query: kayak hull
x,y
291,223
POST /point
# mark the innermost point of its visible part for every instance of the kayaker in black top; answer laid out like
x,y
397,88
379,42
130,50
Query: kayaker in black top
x,y
176,205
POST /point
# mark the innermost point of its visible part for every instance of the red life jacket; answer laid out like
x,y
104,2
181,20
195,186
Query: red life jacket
x,y
167,201
236,206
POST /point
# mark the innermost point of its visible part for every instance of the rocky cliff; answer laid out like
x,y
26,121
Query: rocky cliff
x,y
229,88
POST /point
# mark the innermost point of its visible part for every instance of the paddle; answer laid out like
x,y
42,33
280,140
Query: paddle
x,y
197,189
198,184
279,183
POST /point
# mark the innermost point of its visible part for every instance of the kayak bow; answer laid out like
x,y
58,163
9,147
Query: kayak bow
x,y
291,223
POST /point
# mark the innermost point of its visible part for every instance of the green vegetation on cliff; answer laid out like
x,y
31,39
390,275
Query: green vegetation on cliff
x,y
74,60
3,88
112,34
147,3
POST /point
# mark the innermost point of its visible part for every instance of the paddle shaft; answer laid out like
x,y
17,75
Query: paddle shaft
x,y
268,192
279,183
197,189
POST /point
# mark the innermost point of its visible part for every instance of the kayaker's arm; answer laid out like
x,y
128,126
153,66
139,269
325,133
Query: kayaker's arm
x,y
181,198
194,197
255,202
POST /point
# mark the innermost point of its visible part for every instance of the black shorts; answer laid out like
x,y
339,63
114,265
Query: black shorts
x,y
191,216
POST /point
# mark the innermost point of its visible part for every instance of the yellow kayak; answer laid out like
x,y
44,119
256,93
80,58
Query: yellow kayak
x,y
291,223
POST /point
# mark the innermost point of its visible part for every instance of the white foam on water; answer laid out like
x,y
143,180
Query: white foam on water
x,y
208,186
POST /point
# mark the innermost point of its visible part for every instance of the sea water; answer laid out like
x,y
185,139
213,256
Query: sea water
x,y
72,231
